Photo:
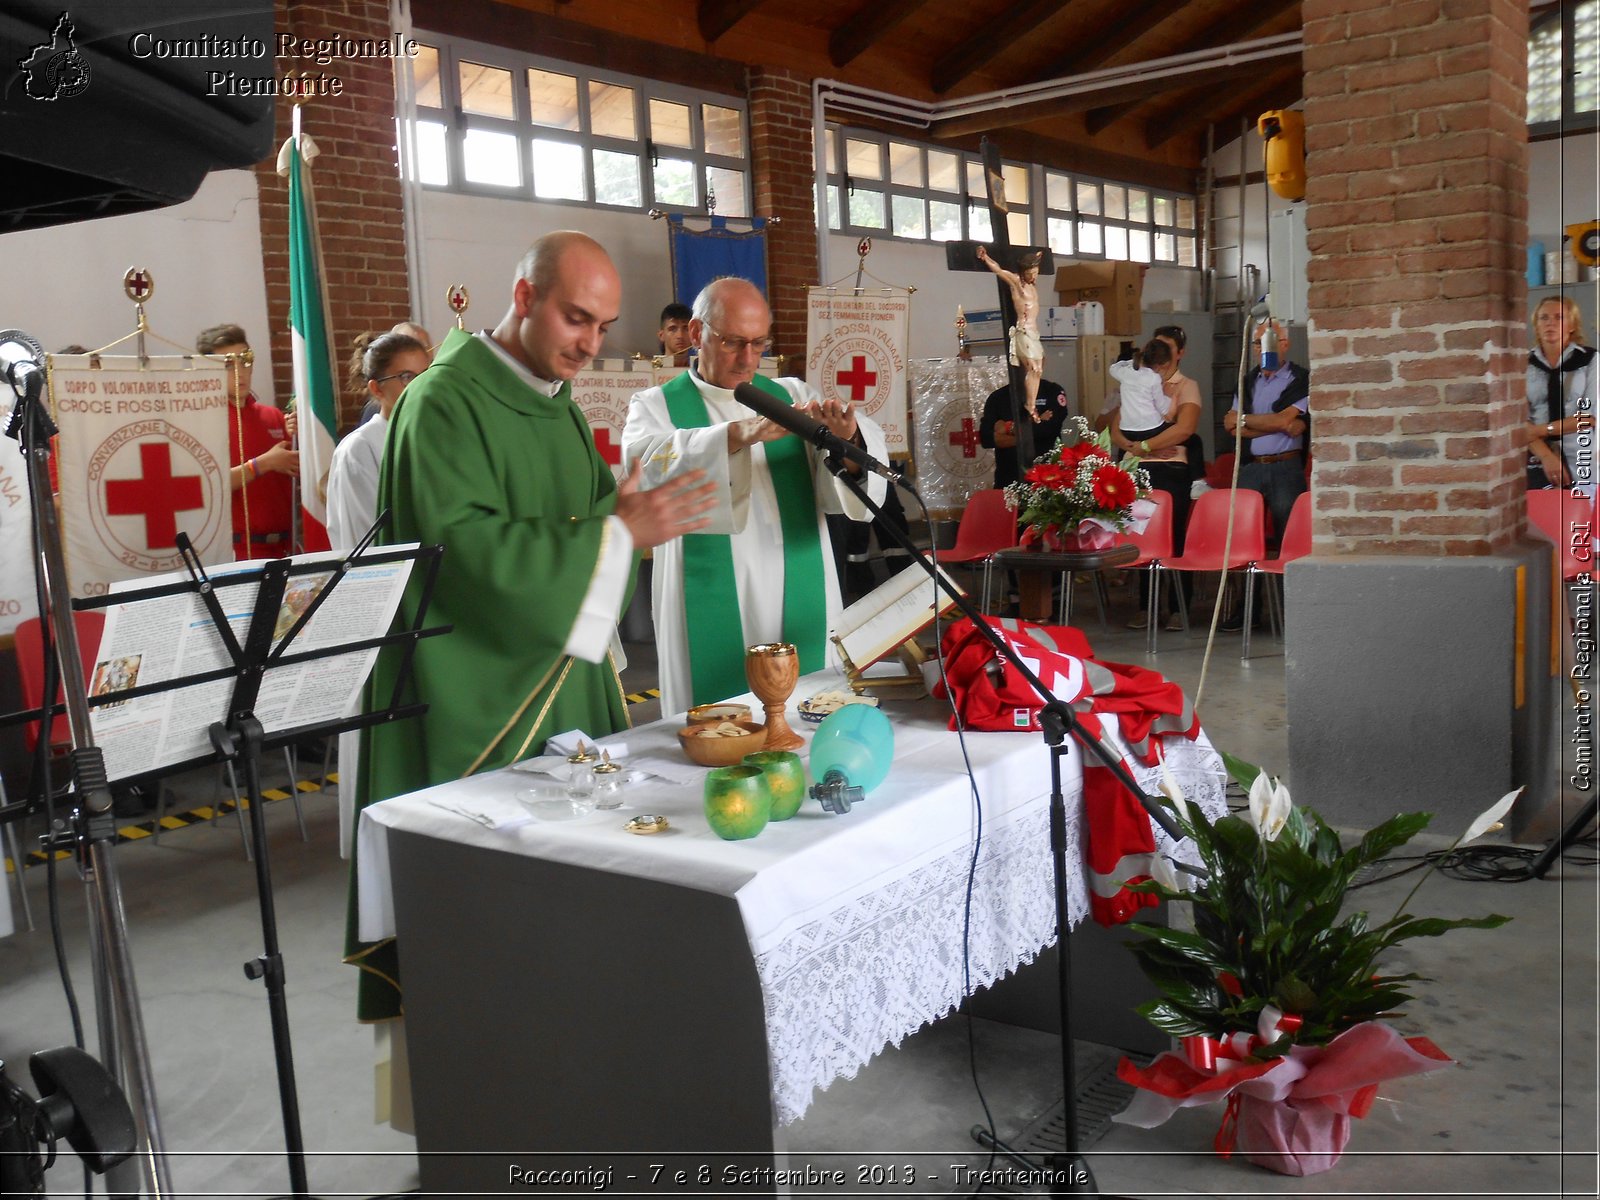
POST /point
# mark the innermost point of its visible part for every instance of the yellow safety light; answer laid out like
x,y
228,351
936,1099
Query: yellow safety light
x,y
1585,242
1284,131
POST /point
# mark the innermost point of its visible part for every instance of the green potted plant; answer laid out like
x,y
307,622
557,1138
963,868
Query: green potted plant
x,y
1277,995
1076,497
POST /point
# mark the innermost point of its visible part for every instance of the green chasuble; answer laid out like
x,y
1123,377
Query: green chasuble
x,y
508,480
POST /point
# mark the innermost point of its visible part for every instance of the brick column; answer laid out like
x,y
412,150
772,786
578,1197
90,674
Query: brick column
x,y
1418,668
1416,221
357,183
781,161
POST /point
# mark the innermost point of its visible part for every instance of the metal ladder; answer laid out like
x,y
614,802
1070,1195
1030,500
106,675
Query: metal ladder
x,y
1231,284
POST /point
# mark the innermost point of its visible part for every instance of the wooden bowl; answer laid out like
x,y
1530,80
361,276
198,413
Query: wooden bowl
x,y
727,710
721,751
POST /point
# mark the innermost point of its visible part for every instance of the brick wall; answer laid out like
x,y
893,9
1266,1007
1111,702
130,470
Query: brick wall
x,y
781,158
1417,222
358,193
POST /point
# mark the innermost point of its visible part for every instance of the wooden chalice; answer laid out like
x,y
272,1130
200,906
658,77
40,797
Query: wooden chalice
x,y
773,670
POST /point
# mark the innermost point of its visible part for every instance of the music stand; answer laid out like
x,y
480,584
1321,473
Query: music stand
x,y
235,670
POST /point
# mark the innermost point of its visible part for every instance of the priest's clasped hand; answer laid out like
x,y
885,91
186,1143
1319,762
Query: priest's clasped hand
x,y
666,512
751,432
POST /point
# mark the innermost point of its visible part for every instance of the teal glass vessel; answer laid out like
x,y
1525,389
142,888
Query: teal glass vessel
x,y
850,755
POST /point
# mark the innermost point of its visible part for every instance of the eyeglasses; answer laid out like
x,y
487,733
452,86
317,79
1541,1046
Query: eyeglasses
x,y
245,358
404,377
1175,332
737,346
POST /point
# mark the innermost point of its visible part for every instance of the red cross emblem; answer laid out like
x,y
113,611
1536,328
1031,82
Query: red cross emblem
x,y
158,495
858,379
138,285
610,452
966,437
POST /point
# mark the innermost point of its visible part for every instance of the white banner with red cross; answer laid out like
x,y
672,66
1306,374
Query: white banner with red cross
x,y
142,455
947,398
856,351
603,397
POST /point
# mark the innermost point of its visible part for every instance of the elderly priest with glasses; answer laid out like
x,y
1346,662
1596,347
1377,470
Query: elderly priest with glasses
x,y
763,570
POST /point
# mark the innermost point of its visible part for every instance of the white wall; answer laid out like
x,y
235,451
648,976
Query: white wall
x,y
1563,186
64,284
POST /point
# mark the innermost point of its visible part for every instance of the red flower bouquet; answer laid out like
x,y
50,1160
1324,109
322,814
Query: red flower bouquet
x,y
1075,497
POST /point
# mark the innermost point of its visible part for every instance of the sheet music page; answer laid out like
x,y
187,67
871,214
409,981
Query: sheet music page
x,y
168,637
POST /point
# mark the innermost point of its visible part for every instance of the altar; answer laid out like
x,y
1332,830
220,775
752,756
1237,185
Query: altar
x,y
571,986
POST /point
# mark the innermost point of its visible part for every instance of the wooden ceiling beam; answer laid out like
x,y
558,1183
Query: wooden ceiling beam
x,y
1224,31
1122,96
716,17
979,49
1096,47
1279,90
860,32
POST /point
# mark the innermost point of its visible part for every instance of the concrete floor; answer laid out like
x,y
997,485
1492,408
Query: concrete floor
x,y
1516,1007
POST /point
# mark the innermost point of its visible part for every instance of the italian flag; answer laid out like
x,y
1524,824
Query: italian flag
x,y
316,395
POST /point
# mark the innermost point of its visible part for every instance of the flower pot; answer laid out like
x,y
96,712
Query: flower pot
x,y
1291,1138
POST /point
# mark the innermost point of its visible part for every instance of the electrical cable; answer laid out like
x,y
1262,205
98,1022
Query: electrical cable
x,y
977,844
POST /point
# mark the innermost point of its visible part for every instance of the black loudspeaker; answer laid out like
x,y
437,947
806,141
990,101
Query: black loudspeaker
x,y
114,106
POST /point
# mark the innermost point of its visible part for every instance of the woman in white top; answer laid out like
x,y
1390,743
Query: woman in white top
x,y
1562,377
381,366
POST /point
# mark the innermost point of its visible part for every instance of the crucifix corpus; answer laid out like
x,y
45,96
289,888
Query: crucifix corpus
x,y
1017,269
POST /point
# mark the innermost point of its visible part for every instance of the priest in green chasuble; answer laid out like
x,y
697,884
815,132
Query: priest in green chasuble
x,y
488,456
762,570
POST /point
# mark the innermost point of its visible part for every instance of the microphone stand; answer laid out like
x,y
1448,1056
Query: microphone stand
x,y
1069,1171
120,1020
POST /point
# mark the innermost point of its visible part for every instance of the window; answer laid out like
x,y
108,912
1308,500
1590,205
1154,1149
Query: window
x,y
1564,68
495,121
921,193
1090,218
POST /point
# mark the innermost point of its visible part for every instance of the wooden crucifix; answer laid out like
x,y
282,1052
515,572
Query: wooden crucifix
x,y
1013,265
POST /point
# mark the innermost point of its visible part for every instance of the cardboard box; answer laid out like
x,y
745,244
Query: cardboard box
x,y
1119,286
985,325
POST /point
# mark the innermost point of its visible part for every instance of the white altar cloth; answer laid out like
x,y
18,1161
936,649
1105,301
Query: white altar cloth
x,y
855,921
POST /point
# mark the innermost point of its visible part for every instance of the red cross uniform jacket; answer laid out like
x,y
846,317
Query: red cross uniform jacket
x,y
1139,704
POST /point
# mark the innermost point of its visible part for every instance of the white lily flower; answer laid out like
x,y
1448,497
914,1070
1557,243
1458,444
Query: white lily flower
x,y
1161,870
1489,819
1269,807
1171,790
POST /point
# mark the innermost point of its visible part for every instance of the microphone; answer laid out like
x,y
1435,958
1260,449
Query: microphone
x,y
22,362
1269,335
1269,347
815,432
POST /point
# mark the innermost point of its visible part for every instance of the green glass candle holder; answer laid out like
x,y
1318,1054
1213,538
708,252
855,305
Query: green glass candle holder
x,y
786,780
738,801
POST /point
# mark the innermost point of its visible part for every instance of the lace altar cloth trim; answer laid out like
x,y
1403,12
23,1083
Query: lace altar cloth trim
x,y
841,988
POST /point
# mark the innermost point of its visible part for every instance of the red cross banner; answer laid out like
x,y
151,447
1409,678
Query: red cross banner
x,y
603,396
142,455
856,351
17,601
947,397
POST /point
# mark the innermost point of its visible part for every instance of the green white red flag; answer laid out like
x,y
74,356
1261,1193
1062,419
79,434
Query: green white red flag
x,y
315,389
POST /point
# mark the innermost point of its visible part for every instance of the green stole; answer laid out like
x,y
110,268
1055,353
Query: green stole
x,y
711,612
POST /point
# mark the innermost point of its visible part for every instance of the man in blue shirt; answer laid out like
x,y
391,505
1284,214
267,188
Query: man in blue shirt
x,y
1274,434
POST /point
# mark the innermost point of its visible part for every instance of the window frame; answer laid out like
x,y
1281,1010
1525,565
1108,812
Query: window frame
x,y
1037,210
1569,120
457,122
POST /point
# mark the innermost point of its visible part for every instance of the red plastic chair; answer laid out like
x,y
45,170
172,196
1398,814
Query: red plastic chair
x,y
1296,544
1155,549
986,525
1207,534
1567,522
30,671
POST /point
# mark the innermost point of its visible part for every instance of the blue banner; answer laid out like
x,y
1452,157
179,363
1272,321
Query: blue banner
x,y
701,255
